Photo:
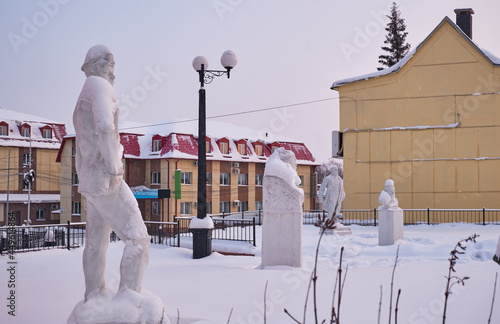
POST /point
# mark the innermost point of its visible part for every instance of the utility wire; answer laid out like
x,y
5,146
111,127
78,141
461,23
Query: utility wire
x,y
234,114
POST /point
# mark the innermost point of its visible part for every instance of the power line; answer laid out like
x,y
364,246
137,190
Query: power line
x,y
235,114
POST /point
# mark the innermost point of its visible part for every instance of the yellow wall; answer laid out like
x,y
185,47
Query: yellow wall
x,y
66,182
14,165
47,170
451,157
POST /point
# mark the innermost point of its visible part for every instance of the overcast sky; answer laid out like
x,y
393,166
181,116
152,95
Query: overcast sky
x,y
289,52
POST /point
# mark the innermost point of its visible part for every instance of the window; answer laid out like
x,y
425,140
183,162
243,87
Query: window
x,y
77,207
4,130
209,207
155,178
25,131
76,181
301,180
207,147
47,133
224,207
54,206
209,178
155,208
243,179
185,208
186,178
225,179
258,179
73,151
258,205
26,158
259,150
224,147
243,206
156,145
242,149
40,214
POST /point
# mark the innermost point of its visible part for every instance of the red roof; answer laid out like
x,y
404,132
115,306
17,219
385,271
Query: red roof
x,y
130,143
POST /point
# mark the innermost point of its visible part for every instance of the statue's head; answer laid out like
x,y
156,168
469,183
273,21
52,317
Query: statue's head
x,y
287,157
334,170
100,61
389,187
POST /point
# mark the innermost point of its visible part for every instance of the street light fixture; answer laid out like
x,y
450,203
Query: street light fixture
x,y
200,226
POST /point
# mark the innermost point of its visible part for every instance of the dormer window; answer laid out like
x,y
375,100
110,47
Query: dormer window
x,y
259,150
157,143
46,132
224,147
208,146
25,131
4,129
242,148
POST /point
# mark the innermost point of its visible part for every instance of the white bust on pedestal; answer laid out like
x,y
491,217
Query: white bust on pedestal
x,y
390,225
282,205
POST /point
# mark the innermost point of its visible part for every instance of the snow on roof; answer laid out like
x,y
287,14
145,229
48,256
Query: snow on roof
x,y
180,140
396,67
15,121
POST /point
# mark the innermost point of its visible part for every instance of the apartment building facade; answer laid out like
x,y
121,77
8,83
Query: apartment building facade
x,y
28,149
155,158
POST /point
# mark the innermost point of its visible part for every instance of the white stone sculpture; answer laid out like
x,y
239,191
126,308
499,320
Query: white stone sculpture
x,y
282,206
388,196
496,256
390,225
331,194
110,205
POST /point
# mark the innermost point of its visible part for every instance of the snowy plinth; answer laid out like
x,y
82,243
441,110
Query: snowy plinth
x,y
125,307
339,230
202,236
200,223
390,225
282,206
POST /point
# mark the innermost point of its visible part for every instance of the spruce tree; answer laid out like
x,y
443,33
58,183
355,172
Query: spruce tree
x,y
396,39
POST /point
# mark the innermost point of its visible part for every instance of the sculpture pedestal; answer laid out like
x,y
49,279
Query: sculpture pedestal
x,y
126,306
390,225
282,224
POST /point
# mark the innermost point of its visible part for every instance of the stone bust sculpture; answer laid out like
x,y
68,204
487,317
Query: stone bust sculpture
x,y
387,197
331,194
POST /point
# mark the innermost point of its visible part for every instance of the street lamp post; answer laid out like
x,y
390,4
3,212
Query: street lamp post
x,y
201,226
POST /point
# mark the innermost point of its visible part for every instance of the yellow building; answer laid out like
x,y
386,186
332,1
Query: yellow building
x,y
431,123
29,143
235,167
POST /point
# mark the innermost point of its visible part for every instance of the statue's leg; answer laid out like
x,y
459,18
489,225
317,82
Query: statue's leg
x,y
94,254
126,220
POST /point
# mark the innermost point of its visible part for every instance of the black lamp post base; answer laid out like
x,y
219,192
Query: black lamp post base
x,y
202,242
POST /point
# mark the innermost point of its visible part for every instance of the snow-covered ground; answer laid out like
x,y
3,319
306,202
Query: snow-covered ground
x,y
50,283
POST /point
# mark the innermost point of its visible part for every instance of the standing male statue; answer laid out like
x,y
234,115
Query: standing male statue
x,y
331,194
109,202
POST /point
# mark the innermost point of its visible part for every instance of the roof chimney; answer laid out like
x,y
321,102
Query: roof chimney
x,y
464,20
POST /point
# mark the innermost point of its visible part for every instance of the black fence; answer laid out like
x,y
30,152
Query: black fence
x,y
416,216
233,227
166,233
41,237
